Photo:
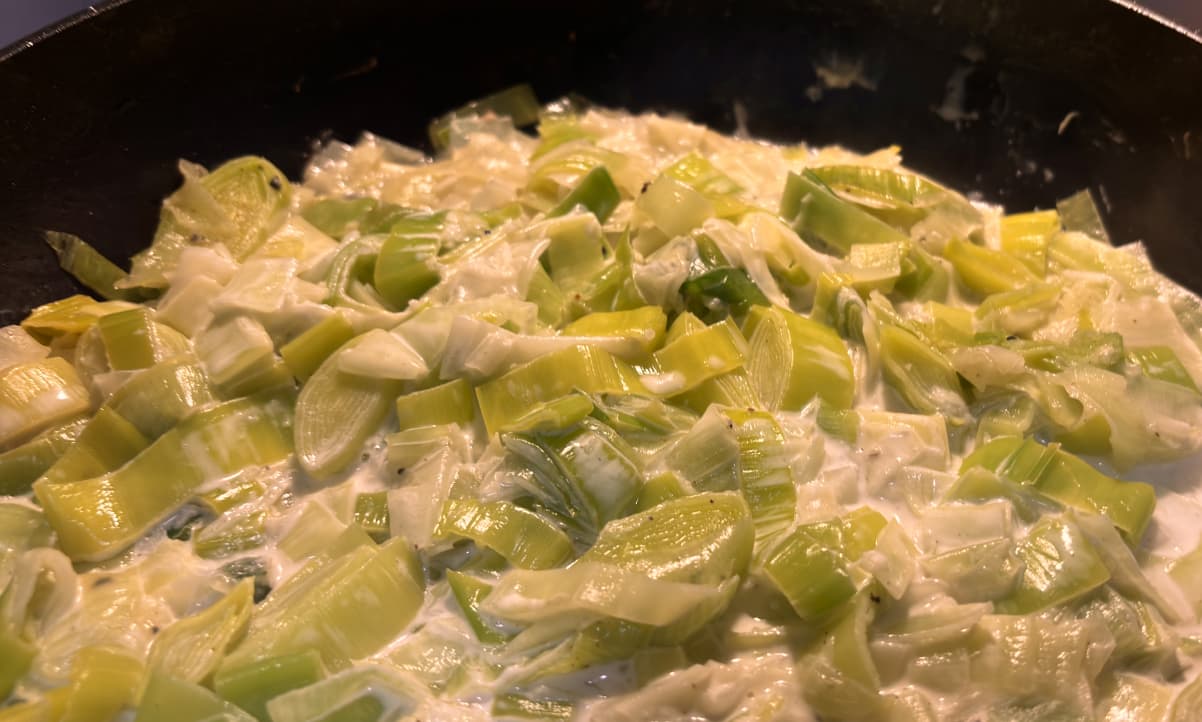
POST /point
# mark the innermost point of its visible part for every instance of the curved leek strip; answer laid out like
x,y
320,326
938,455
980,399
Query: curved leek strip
x,y
349,280
365,694
171,700
132,339
810,564
305,353
1069,480
1025,236
793,359
345,609
895,197
765,473
403,270
383,355
236,205
517,102
232,532
104,682
37,394
336,412
688,361
451,403
922,376
21,528
68,316
701,539
252,685
645,326
586,368
191,648
105,444
234,348
980,572
1036,656
718,188
818,215
159,397
589,586
21,466
1161,363
524,538
1059,564
1079,213
470,592
336,216
985,270
595,192
674,206
735,290
89,266
99,517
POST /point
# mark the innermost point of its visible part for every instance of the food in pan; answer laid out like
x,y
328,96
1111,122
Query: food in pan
x,y
620,418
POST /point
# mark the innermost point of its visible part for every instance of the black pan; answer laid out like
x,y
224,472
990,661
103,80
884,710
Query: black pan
x,y
1056,96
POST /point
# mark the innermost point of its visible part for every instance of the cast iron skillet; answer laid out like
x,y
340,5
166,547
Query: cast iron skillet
x,y
1056,96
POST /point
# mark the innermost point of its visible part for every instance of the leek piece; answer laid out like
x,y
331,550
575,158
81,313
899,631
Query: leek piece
x,y
848,644
348,282
584,478
21,466
554,415
18,345
251,686
469,593
596,192
874,266
384,355
640,418
729,389
1188,702
1035,657
452,403
172,700
344,609
1079,213
524,538
1186,571
923,276
364,694
980,572
717,187
517,102
1162,364
98,517
516,705
305,353
660,488
22,528
506,399
1025,236
793,359
105,444
237,205
336,412
550,299
130,339
819,216
1132,698
527,596
898,198
159,397
701,539
68,316
764,472
978,484
810,564
403,269
673,206
335,217
371,514
241,489
688,361
707,455
645,326
720,292
89,266
38,394
921,376
104,682
16,657
191,648
684,324
234,348
230,533
1059,564
985,270
1068,480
